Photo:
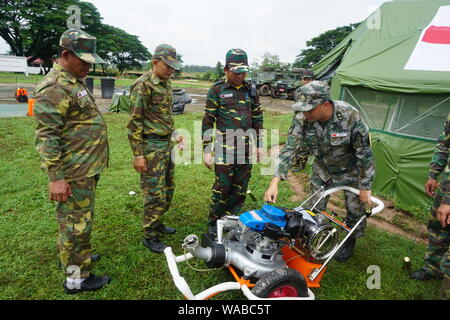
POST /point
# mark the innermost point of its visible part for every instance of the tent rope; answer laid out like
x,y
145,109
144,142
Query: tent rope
x,y
422,116
361,108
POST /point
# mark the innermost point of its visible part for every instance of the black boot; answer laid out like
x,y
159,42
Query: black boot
x,y
154,244
346,251
167,230
423,275
91,283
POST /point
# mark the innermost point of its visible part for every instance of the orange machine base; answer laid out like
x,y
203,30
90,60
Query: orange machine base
x,y
296,261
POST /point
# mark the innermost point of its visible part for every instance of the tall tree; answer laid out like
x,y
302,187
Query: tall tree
x,y
319,46
121,48
269,61
32,27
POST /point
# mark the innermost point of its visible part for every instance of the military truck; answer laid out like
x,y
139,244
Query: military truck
x,y
276,83
288,84
264,80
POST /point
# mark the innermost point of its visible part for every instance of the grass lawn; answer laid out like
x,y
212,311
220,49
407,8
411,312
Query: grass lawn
x,y
10,77
29,265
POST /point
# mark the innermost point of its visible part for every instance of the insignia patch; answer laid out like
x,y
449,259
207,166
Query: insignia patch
x,y
339,115
226,95
302,98
339,135
81,94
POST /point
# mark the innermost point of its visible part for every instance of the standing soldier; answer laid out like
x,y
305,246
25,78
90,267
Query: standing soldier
x,y
231,105
437,258
334,133
150,133
71,139
308,76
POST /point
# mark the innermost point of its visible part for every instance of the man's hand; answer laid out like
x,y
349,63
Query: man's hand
x,y
364,196
259,154
180,140
59,190
140,164
431,186
443,214
272,192
208,160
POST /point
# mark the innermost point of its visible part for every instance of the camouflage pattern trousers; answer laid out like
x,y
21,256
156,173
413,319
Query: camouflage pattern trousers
x,y
355,208
437,257
75,220
229,189
157,184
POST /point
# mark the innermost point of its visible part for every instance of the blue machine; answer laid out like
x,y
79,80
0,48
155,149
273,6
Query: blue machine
x,y
256,219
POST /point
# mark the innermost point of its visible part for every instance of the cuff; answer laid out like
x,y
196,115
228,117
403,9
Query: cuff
x,y
434,175
55,175
138,152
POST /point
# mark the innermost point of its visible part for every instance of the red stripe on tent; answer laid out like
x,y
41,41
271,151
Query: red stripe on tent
x,y
438,35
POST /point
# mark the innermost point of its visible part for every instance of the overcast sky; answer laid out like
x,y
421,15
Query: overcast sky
x,y
204,30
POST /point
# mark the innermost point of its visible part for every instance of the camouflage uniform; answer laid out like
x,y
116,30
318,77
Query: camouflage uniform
x,y
231,108
437,258
341,150
150,131
71,139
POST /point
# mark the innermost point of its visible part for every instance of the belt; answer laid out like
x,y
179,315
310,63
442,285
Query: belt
x,y
156,136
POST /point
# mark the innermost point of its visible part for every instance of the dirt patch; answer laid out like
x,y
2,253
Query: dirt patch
x,y
390,219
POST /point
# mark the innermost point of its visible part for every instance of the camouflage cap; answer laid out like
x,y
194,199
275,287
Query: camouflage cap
x,y
82,44
168,54
311,95
236,61
308,73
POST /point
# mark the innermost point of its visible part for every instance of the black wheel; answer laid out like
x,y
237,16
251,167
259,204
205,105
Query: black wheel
x,y
283,282
264,90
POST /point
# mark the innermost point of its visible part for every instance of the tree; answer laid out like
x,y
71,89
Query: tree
x,y
269,60
121,48
177,73
219,73
33,28
321,45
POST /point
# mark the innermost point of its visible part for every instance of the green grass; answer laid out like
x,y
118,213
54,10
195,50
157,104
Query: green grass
x,y
29,257
12,78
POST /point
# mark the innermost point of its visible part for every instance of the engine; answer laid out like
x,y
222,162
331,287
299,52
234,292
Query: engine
x,y
252,242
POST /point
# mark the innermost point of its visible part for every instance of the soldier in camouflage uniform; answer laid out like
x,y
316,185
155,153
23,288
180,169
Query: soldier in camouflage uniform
x,y
437,258
333,132
150,132
233,107
71,139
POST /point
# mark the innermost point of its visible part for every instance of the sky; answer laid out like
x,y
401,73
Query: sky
x,y
203,31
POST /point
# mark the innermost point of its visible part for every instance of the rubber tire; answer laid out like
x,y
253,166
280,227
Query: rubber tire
x,y
278,278
264,90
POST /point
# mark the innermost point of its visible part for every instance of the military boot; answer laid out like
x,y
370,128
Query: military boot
x,y
91,283
423,275
346,251
154,244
